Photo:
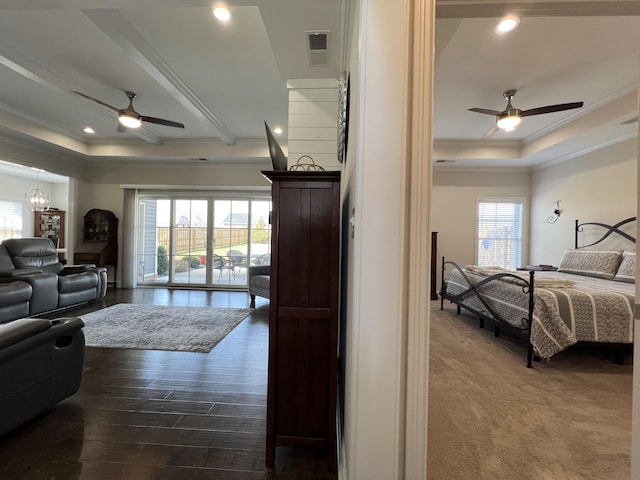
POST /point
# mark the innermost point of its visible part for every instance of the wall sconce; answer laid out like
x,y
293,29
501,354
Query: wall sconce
x,y
556,213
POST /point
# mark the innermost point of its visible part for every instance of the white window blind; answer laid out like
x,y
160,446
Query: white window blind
x,y
500,233
10,219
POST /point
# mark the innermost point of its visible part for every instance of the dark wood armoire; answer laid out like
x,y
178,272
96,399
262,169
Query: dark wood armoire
x,y
303,311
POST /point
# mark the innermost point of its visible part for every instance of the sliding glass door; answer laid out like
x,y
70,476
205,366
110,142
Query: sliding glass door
x,y
206,242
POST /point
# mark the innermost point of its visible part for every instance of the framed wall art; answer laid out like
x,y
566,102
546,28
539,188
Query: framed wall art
x,y
343,116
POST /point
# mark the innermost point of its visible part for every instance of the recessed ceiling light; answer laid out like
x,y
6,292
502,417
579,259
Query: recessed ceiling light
x,y
89,130
277,131
507,24
222,13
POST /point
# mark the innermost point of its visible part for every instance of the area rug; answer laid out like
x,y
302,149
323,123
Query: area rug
x,y
160,327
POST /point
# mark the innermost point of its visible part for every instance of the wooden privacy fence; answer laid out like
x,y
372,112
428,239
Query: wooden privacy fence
x,y
194,239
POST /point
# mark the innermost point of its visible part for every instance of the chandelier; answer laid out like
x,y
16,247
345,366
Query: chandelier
x,y
36,200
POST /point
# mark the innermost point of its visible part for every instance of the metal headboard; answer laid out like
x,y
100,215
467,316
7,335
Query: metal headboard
x,y
610,229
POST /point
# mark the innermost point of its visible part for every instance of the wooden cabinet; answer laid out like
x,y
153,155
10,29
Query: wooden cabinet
x,y
50,224
303,311
100,242
100,226
434,265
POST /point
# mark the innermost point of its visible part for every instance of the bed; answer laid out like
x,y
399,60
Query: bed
x,y
589,299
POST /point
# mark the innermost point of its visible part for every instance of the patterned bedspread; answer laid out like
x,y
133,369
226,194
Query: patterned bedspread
x,y
567,308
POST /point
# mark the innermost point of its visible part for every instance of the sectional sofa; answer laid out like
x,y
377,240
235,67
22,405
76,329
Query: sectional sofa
x,y
33,281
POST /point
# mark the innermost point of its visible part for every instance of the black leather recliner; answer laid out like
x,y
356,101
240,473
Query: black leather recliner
x,y
54,285
41,363
14,300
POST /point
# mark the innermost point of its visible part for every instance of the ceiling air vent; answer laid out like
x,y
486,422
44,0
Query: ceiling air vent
x,y
318,47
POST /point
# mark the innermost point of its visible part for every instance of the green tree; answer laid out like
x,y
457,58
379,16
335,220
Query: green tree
x,y
192,260
163,260
259,233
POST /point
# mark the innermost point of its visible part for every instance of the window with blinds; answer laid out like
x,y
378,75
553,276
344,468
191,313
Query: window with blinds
x,y
500,233
11,219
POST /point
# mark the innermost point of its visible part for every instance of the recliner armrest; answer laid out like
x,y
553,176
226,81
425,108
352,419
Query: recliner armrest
x,y
19,330
259,270
17,272
28,333
68,269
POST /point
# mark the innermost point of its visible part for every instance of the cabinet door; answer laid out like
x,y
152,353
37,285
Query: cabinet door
x,y
303,312
50,224
96,227
305,247
305,294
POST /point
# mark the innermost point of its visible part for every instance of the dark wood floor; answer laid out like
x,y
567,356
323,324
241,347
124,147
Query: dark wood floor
x,y
148,415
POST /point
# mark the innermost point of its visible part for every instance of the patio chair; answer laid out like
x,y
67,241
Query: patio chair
x,y
237,259
262,260
220,263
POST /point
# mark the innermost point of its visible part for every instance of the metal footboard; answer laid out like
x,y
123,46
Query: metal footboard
x,y
474,290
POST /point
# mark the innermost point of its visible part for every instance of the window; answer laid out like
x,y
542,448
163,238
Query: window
x,y
10,219
207,240
500,233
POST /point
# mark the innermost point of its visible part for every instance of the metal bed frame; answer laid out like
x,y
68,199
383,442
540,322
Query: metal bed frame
x,y
528,288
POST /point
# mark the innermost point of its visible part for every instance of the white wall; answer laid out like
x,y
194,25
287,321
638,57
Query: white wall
x,y
598,187
349,322
453,208
13,188
376,177
313,122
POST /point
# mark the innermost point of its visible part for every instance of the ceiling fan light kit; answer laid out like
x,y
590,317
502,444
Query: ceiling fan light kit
x,y
508,119
128,116
129,119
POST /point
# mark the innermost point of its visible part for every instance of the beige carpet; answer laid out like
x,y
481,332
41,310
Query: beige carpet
x,y
490,417
160,327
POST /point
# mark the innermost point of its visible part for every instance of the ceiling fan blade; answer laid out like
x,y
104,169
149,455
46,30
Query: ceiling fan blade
x,y
485,110
490,132
100,102
552,108
161,121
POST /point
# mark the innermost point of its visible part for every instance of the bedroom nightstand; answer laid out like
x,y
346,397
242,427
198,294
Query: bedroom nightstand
x,y
538,268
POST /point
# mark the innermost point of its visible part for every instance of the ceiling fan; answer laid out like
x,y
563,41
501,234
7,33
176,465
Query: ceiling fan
x,y
510,117
128,116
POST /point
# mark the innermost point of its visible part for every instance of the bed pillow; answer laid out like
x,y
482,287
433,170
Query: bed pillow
x,y
592,263
627,269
